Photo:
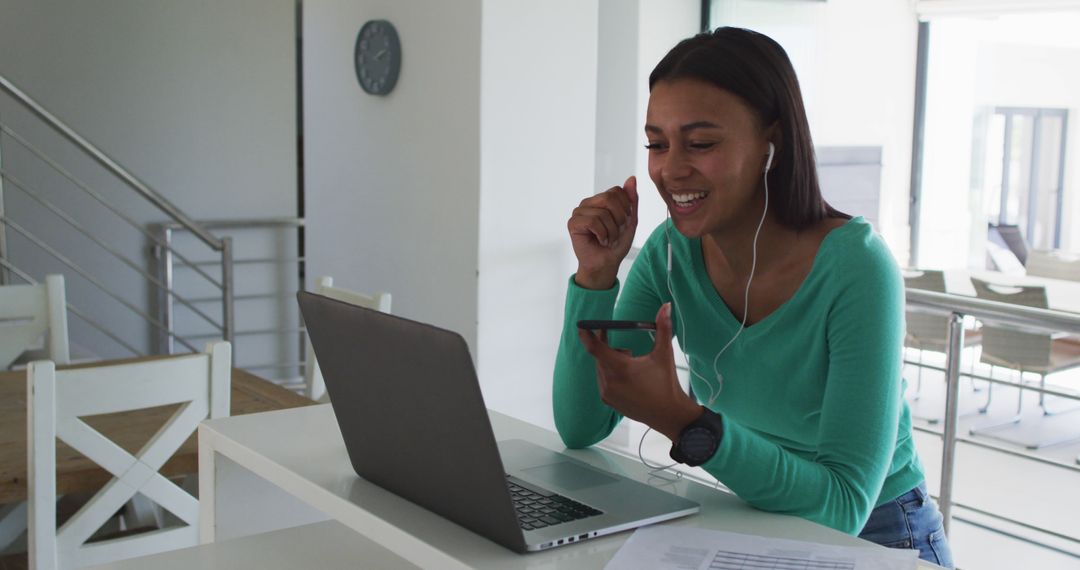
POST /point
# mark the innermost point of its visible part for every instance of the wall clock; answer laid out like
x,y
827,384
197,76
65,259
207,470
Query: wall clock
x,y
377,57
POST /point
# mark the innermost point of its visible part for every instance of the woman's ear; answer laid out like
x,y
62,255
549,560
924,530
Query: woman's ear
x,y
774,135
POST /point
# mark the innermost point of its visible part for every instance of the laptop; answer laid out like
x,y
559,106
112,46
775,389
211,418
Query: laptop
x,y
414,422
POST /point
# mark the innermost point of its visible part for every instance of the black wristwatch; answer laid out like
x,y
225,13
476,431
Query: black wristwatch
x,y
699,441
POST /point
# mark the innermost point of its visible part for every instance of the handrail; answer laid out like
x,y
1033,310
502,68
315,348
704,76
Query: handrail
x,y
166,230
92,193
242,223
956,307
101,243
153,197
1007,314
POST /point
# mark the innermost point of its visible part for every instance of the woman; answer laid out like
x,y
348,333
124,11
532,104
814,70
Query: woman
x,y
790,313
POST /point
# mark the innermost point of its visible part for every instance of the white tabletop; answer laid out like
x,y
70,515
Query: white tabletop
x,y
327,545
302,452
1061,295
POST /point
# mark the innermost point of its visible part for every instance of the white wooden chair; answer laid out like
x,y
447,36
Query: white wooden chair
x,y
316,387
29,314
57,400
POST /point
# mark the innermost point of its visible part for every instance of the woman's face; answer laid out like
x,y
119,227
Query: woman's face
x,y
706,155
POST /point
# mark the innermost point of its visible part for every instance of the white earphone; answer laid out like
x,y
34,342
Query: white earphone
x,y
768,161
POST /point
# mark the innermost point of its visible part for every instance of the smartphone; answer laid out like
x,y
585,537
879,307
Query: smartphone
x,y
616,325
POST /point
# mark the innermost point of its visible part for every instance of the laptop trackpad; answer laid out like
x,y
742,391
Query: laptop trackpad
x,y
568,476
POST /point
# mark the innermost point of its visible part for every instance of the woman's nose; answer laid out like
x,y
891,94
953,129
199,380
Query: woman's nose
x,y
676,164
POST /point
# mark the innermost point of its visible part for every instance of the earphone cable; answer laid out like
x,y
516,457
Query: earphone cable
x,y
746,296
714,393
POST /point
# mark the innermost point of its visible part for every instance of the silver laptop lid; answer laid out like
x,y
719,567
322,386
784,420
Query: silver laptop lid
x,y
411,413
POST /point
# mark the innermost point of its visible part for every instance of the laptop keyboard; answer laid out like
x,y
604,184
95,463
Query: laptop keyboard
x,y
538,509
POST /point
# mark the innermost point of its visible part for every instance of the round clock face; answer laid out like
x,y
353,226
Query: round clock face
x,y
377,57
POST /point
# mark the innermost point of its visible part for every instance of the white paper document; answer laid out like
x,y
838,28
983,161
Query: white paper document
x,y
686,548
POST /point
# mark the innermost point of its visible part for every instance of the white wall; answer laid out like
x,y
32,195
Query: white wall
x,y
633,38
196,98
538,127
661,25
393,183
856,65
453,192
561,120
619,115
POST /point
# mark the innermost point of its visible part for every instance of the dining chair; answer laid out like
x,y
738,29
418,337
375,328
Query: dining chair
x,y
1034,352
58,403
928,331
1009,236
31,314
1053,264
314,384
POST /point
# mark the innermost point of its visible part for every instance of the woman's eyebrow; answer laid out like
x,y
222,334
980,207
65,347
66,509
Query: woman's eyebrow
x,y
685,128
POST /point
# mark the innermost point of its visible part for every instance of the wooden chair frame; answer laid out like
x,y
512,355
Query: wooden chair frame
x,y
57,400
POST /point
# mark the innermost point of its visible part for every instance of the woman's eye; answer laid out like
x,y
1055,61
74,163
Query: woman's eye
x,y
655,146
702,145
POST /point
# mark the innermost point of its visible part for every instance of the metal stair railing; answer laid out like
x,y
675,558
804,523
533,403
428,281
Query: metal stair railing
x,y
251,290
9,181
1018,317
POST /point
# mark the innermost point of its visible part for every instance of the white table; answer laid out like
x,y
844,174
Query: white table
x,y
1061,294
327,545
265,472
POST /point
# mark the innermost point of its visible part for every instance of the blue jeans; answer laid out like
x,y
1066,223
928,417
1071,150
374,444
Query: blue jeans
x,y
911,520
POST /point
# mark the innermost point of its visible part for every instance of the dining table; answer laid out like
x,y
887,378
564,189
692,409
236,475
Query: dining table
x,y
1061,294
129,430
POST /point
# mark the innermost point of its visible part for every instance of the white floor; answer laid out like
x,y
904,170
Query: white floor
x,y
1029,492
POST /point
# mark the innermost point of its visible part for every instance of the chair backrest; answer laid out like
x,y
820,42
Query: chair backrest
x,y
1010,237
31,313
925,330
57,402
1053,264
315,386
1022,350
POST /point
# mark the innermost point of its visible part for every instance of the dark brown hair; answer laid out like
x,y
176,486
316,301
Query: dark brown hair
x,y
755,68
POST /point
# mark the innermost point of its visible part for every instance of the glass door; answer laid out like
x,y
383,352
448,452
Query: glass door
x,y
1024,172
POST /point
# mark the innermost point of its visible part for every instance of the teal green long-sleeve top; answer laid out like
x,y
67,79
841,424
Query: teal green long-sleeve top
x,y
815,423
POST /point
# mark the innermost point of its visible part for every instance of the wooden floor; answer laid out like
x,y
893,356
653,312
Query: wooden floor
x,y
14,562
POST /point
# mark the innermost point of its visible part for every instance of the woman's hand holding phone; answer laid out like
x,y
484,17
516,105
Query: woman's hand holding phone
x,y
644,388
602,230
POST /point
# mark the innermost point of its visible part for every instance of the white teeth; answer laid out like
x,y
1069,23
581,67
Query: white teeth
x,y
684,198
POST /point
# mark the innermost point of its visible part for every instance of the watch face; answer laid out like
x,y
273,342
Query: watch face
x,y
698,444
377,57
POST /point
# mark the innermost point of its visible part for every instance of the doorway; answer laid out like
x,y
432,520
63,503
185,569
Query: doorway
x,y
1025,172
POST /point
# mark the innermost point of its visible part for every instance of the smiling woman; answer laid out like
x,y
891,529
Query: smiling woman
x,y
790,313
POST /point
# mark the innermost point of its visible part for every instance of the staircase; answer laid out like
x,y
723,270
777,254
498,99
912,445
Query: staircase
x,y
76,211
